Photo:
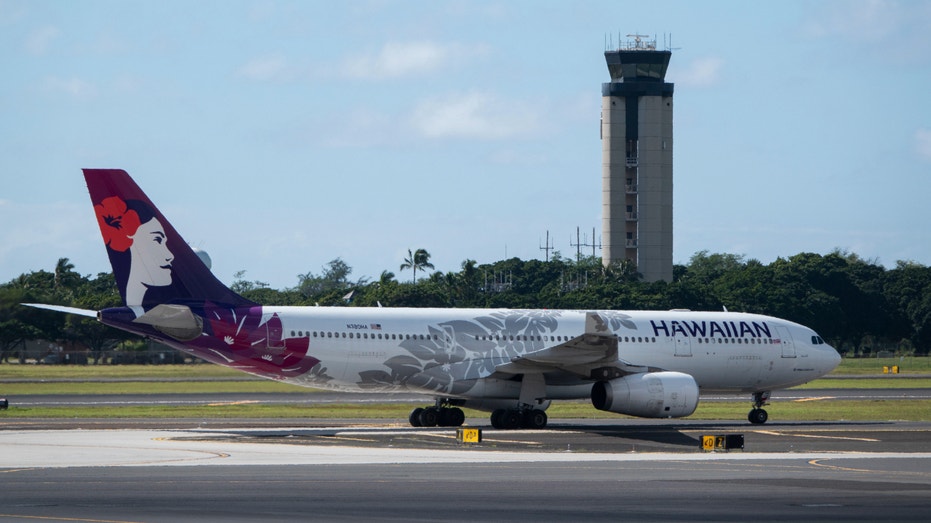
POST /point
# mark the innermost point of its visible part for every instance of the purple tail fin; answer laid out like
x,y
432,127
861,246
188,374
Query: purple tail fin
x,y
151,262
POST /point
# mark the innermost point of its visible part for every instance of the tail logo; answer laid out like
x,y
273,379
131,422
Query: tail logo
x,y
133,226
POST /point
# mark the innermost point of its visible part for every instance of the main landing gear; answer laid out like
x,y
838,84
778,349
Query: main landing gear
x,y
758,416
444,414
509,419
440,415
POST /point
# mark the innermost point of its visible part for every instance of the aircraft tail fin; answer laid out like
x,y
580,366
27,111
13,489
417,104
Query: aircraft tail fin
x,y
152,263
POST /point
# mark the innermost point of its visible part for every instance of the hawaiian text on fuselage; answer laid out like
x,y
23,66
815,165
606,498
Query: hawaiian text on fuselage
x,y
724,329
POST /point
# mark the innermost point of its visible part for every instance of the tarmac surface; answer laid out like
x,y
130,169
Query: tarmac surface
x,y
161,470
327,470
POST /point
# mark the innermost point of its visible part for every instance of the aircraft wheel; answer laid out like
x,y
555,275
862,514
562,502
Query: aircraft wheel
x,y
452,417
429,417
496,418
758,416
535,419
414,418
511,419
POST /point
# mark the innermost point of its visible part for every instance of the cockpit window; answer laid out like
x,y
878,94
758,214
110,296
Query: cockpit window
x,y
816,340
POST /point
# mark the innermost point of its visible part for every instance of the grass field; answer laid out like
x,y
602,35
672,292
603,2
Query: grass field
x,y
141,379
907,365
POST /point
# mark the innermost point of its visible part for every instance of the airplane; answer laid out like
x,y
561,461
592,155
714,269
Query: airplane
x,y
510,363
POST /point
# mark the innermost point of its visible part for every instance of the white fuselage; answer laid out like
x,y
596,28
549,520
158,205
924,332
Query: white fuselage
x,y
456,352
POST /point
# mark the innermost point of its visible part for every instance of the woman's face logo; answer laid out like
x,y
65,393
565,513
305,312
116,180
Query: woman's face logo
x,y
124,229
150,254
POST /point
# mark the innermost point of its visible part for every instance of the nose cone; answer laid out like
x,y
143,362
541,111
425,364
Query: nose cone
x,y
829,358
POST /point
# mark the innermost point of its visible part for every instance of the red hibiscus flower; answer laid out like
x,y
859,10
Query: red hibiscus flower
x,y
117,223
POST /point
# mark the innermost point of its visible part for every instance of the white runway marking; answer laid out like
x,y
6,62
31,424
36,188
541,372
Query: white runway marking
x,y
814,436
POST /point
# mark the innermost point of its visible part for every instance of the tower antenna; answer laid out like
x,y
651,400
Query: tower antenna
x,y
547,247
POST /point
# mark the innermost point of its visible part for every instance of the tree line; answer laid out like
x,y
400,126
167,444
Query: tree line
x,y
857,305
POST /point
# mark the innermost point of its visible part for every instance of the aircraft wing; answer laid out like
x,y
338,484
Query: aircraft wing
x,y
592,355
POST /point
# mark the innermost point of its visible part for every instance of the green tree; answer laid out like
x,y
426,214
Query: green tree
x,y
335,278
908,291
466,285
15,328
240,285
417,260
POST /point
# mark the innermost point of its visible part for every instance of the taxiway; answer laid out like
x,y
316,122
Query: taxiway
x,y
374,471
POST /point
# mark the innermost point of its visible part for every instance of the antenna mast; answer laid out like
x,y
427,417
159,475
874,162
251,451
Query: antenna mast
x,y
547,247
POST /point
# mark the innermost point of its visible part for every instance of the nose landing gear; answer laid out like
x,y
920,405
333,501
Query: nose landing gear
x,y
757,415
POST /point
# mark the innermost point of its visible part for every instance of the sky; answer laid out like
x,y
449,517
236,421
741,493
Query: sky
x,y
280,135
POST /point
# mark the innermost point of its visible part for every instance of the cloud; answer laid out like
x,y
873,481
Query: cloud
x,y
39,41
702,72
264,69
74,87
358,128
923,143
396,59
64,229
891,30
474,115
11,11
871,21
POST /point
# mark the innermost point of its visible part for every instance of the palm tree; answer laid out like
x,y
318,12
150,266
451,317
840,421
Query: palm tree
x,y
386,278
419,259
64,270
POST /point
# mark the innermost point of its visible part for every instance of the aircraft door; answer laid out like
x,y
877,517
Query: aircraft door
x,y
274,332
788,345
683,346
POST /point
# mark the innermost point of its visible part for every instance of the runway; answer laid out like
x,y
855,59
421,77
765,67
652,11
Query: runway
x,y
377,472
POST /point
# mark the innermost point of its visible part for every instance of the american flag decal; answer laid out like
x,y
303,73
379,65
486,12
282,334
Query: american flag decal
x,y
375,326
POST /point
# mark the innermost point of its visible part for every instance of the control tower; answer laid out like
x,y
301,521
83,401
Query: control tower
x,y
636,145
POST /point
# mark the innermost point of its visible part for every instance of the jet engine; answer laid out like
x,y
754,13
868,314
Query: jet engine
x,y
648,395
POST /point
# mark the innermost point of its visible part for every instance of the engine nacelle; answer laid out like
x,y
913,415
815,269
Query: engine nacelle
x,y
648,395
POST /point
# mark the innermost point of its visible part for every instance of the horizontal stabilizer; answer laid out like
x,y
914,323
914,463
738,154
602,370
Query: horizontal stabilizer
x,y
62,308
